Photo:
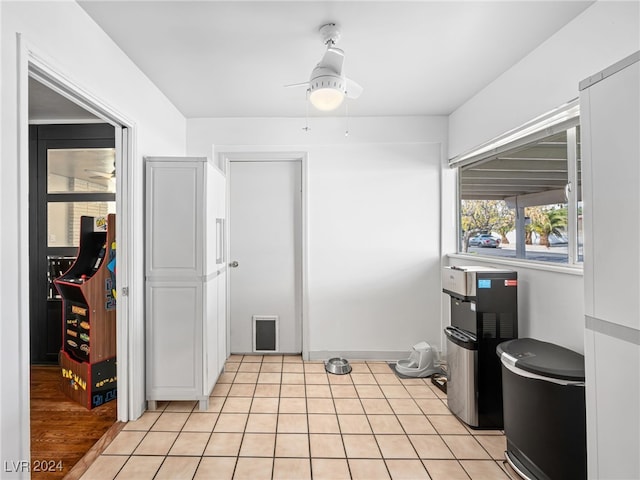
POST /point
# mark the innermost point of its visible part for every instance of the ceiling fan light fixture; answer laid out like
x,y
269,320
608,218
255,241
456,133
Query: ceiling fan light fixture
x,y
326,98
328,86
326,90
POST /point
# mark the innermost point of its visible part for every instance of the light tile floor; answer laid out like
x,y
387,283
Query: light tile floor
x,y
276,417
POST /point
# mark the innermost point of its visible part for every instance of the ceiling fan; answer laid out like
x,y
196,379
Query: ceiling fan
x,y
327,86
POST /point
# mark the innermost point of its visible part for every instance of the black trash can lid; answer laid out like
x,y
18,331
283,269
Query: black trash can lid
x,y
543,358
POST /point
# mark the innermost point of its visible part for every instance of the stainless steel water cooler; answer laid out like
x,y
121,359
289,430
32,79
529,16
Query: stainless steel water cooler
x,y
544,409
484,313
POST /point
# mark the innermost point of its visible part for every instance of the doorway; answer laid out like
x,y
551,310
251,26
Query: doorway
x,y
73,155
266,255
71,173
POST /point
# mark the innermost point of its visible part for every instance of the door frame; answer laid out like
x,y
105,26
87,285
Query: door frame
x,y
130,338
47,136
224,155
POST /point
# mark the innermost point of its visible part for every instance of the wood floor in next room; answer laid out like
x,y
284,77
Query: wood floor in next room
x,y
276,417
62,431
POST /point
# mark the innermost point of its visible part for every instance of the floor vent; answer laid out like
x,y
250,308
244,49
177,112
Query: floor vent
x,y
265,333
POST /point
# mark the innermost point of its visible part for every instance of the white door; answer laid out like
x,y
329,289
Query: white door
x,y
265,241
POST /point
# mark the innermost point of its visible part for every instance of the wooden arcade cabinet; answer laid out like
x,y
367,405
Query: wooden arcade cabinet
x,y
88,291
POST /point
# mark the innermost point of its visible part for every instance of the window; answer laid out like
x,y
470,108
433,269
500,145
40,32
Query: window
x,y
81,170
63,220
79,182
520,196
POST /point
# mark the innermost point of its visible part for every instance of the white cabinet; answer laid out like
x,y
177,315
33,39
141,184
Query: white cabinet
x,y
610,122
185,278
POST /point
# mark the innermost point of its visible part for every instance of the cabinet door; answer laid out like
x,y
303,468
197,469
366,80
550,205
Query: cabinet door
x,y
611,121
174,218
174,340
221,204
222,318
211,334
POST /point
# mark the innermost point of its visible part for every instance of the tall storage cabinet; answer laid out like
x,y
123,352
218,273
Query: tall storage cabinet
x,y
185,273
610,122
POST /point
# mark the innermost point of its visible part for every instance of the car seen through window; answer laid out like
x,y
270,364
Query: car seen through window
x,y
484,240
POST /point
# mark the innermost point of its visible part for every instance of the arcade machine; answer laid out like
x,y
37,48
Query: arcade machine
x,y
88,291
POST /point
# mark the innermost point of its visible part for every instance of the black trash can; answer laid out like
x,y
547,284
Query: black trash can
x,y
544,409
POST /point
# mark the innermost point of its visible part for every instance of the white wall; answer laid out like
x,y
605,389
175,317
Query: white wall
x,y
70,42
373,224
548,77
551,304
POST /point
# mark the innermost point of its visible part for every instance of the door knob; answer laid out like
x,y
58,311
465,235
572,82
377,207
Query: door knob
x,y
233,264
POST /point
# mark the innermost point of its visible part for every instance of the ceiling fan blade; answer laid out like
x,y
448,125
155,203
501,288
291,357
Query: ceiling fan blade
x,y
333,59
101,174
303,84
353,90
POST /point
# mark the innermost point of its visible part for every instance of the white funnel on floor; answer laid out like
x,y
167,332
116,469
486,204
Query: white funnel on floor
x,y
420,362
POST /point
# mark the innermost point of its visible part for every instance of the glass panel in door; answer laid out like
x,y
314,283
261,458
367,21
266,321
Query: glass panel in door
x,y
81,170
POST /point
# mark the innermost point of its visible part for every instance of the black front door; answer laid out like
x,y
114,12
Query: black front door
x,y
71,173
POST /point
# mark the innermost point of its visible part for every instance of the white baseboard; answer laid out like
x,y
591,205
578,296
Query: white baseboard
x,y
360,355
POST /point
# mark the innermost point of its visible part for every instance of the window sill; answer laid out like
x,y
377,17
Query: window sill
x,y
547,267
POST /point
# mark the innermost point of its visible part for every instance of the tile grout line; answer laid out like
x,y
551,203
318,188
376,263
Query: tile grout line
x,y
275,437
330,385
174,441
439,435
244,429
344,447
306,403
375,438
422,461
395,415
237,456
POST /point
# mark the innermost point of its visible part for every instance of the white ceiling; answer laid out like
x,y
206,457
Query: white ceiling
x,y
233,58
45,105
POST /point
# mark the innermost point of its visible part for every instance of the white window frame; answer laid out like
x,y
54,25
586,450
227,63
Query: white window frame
x,y
564,118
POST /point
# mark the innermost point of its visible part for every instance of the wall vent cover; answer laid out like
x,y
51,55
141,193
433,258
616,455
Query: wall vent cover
x,y
265,333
